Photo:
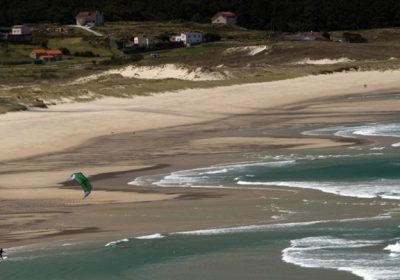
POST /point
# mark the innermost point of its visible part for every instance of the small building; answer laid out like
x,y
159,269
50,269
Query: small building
x,y
21,30
90,18
143,40
57,54
20,34
46,55
48,58
226,18
38,53
188,38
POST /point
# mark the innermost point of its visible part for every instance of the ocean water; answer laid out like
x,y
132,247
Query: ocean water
x,y
367,247
369,250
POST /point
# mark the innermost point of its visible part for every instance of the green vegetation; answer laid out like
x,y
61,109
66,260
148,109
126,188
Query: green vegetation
x,y
130,28
263,14
29,84
80,44
197,50
16,64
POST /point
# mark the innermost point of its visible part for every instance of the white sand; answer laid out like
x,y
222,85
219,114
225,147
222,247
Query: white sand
x,y
167,71
326,61
66,125
248,50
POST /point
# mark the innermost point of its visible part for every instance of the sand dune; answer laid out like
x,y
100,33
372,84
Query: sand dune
x,y
167,71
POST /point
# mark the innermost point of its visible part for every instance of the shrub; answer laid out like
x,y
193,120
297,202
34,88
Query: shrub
x,y
121,61
353,38
65,51
85,54
212,37
326,35
164,37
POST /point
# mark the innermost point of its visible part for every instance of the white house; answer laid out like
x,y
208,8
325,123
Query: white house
x,y
91,18
21,30
143,40
189,38
227,18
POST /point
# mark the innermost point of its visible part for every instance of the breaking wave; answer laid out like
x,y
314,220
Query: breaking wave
x,y
359,257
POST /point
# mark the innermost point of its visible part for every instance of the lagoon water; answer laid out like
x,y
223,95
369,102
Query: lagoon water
x,y
367,247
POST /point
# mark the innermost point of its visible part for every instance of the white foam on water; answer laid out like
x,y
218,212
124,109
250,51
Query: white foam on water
x,y
193,177
297,157
249,228
385,130
151,236
68,244
224,170
255,228
395,145
377,148
394,248
116,242
387,189
342,254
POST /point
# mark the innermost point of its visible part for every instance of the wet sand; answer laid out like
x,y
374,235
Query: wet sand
x,y
39,206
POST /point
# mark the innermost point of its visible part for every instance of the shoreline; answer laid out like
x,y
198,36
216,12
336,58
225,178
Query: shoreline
x,y
155,136
171,109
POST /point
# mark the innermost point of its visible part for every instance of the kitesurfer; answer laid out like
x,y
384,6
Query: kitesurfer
x,y
83,181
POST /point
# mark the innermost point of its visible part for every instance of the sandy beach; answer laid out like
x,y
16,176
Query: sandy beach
x,y
115,140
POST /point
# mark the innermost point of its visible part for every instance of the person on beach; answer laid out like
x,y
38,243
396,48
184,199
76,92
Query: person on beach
x,y
1,253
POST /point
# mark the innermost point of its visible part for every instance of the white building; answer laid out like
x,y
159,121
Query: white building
x,y
189,38
226,18
91,18
143,40
21,30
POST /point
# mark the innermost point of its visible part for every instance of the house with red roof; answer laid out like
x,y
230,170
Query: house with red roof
x,y
90,18
226,18
38,53
47,55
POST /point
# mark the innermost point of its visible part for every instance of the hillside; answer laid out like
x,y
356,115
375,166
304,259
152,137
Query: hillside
x,y
241,56
262,14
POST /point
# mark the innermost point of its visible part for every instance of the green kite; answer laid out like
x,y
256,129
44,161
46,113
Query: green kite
x,y
83,181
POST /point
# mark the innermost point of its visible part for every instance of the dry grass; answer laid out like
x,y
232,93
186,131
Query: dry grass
x,y
277,63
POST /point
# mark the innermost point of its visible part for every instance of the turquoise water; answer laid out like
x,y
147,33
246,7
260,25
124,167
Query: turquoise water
x,y
369,172
368,248
353,245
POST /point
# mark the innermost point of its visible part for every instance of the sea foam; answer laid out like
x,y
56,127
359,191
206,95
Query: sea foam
x,y
116,242
276,226
387,189
394,248
375,130
206,176
342,254
151,236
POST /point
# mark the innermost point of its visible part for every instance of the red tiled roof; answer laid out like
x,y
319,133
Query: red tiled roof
x,y
54,52
38,51
89,14
226,14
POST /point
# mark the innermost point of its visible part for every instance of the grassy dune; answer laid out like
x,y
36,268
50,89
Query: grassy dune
x,y
28,84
